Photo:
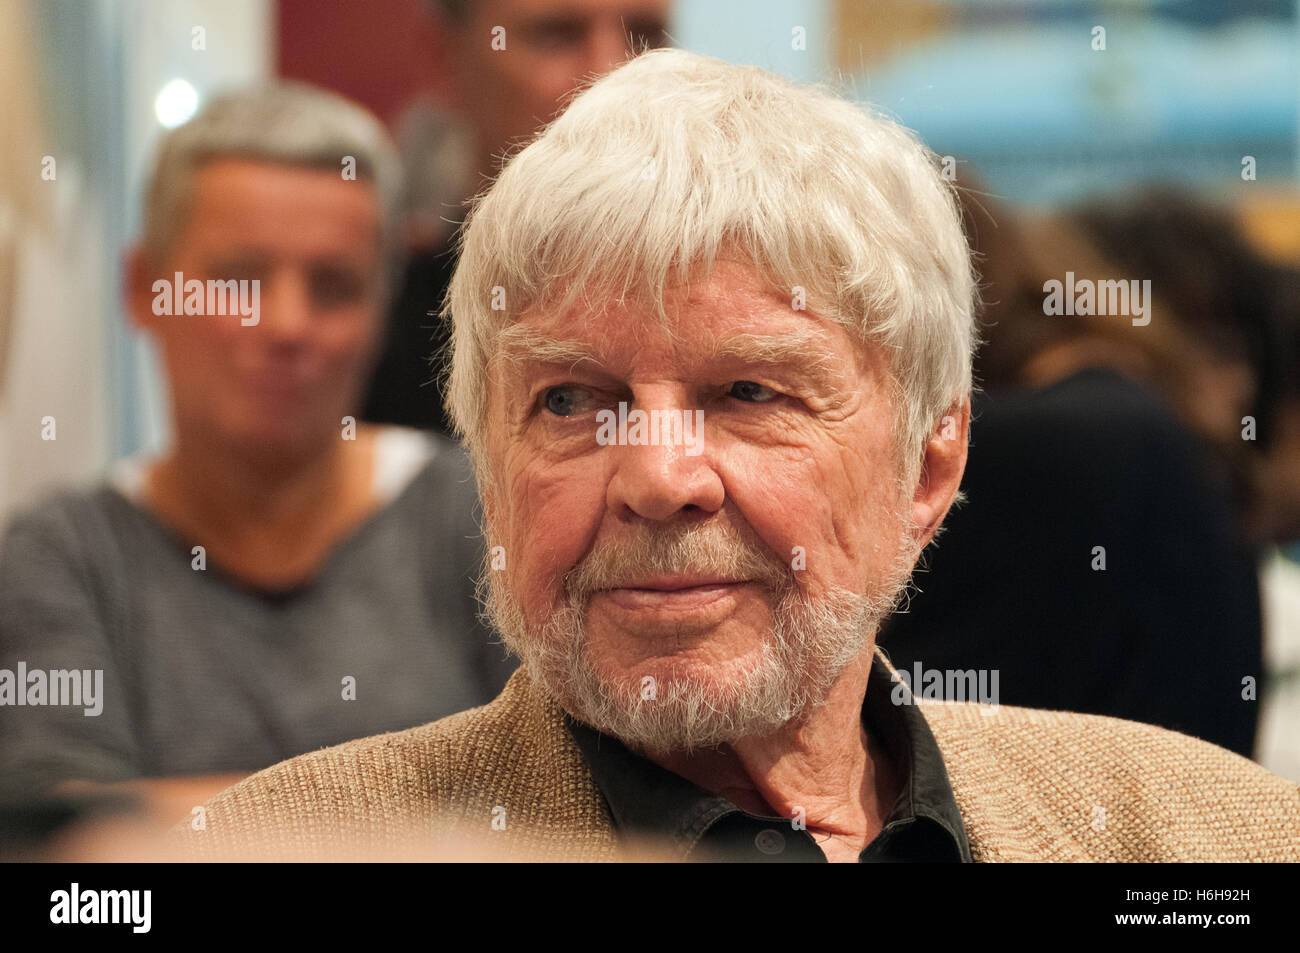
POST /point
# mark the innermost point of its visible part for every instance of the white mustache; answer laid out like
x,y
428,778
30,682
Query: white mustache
x,y
695,551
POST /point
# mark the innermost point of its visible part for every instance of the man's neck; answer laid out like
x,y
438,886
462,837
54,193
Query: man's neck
x,y
827,770
266,518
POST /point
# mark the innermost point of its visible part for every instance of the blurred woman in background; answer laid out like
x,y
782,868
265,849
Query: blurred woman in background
x,y
279,579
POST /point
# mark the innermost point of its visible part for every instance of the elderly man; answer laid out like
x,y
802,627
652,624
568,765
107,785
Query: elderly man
x,y
712,338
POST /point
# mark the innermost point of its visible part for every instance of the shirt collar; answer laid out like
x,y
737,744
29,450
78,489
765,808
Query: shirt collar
x,y
649,801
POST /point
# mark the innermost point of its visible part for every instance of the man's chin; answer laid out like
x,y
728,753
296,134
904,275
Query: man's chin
x,y
687,710
703,701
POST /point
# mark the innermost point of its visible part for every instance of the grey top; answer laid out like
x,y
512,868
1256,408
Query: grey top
x,y
204,674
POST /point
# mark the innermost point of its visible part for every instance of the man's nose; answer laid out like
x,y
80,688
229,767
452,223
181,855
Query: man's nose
x,y
657,481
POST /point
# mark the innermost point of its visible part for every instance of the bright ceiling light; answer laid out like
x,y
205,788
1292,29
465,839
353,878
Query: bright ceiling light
x,y
176,102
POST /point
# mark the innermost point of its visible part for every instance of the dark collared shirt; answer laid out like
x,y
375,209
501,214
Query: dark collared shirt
x,y
650,802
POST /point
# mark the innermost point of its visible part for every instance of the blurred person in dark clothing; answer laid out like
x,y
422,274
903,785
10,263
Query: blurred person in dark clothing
x,y
506,85
280,578
1240,307
1238,311
1099,562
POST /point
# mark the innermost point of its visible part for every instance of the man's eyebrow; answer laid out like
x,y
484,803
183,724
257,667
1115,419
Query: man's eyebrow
x,y
519,344
801,351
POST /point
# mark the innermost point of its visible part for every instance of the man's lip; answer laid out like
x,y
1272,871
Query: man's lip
x,y
701,600
675,583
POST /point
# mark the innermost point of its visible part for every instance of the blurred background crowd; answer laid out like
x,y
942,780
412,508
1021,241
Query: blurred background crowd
x,y
1148,140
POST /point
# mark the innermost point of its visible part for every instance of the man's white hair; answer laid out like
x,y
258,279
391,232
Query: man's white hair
x,y
287,123
674,160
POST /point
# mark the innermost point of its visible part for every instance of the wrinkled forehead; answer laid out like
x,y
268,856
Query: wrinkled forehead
x,y
730,310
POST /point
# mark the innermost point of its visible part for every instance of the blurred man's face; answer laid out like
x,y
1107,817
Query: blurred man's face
x,y
550,47
311,238
680,595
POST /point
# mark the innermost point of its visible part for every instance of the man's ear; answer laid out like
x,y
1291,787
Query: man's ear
x,y
941,471
138,277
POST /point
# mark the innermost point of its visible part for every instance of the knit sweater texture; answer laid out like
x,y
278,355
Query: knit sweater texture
x,y
506,781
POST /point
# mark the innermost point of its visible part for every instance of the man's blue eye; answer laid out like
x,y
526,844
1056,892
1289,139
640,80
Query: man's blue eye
x,y
561,401
751,392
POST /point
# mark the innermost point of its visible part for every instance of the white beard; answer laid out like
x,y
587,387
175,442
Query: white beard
x,y
811,642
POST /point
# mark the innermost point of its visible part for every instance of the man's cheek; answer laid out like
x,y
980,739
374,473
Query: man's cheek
x,y
780,500
550,544
554,526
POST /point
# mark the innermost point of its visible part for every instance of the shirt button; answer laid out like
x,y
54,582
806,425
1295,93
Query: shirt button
x,y
770,841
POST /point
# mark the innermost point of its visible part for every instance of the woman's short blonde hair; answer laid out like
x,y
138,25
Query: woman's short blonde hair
x,y
669,161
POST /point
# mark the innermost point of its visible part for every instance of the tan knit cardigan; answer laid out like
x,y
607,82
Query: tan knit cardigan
x,y
507,781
